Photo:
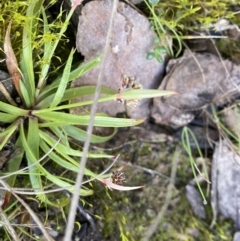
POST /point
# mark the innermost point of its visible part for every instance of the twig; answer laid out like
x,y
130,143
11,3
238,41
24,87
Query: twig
x,y
74,201
30,211
8,226
148,170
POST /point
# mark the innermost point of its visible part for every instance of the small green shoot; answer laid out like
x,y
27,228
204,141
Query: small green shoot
x,y
186,133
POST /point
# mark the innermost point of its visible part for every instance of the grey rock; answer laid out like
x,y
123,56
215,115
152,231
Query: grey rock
x,y
230,117
3,75
131,41
6,83
200,80
225,182
195,201
236,236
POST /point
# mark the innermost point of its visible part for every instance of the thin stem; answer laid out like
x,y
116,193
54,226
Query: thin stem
x,y
30,211
74,201
8,225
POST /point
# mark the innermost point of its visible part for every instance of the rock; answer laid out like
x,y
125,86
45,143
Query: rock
x,y
131,41
231,117
225,182
3,75
200,80
195,201
236,236
77,12
6,83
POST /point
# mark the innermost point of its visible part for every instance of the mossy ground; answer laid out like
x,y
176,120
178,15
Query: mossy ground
x,y
128,215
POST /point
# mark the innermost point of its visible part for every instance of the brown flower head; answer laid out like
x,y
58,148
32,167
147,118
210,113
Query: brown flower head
x,y
117,177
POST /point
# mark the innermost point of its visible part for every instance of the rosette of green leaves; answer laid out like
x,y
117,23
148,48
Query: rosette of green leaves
x,y
42,123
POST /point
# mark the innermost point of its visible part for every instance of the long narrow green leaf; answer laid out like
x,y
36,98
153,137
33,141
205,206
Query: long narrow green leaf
x,y
54,179
57,159
187,146
29,32
72,93
44,142
67,151
33,136
34,172
59,133
74,74
80,134
37,170
25,94
80,70
7,133
7,118
142,93
69,119
47,44
13,110
59,147
13,164
126,95
48,54
64,81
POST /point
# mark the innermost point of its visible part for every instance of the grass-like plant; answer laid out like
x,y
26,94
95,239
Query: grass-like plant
x,y
179,18
187,134
42,122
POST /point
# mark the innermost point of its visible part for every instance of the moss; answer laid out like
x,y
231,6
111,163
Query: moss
x,y
131,213
180,18
16,11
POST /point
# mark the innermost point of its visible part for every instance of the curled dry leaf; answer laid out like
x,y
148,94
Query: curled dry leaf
x,y
11,60
112,185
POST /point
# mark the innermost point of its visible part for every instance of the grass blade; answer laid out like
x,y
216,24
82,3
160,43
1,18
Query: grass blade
x,y
67,151
34,172
29,32
58,118
72,93
13,164
7,118
13,110
74,74
186,144
80,134
142,93
49,52
64,81
60,133
7,133
126,95
57,159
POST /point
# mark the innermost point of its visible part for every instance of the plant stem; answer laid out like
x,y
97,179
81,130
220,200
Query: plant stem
x,y
74,201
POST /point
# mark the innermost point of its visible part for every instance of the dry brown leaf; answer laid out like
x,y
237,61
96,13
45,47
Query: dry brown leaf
x,y
11,60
